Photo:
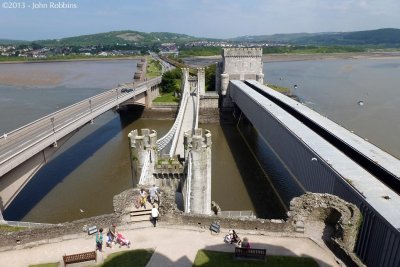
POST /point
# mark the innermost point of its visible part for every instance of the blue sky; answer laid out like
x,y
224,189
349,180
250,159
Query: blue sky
x,y
206,18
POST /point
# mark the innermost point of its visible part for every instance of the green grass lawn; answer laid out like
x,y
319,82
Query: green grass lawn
x,y
131,258
153,69
205,258
166,98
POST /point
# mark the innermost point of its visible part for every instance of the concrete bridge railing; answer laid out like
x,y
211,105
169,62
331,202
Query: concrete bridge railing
x,y
19,145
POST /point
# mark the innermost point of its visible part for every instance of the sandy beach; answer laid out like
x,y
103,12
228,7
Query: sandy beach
x,y
39,77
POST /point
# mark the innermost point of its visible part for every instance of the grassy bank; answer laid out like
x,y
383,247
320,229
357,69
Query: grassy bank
x,y
166,98
153,68
4,228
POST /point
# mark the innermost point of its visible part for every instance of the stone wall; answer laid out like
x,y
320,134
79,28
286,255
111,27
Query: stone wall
x,y
209,110
341,219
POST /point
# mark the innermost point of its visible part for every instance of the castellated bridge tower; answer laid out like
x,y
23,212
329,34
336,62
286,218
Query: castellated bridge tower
x,y
140,147
198,182
238,64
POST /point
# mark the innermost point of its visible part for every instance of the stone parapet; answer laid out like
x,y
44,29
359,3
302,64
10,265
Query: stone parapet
x,y
242,52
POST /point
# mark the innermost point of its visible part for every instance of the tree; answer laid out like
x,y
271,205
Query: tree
x,y
171,81
210,77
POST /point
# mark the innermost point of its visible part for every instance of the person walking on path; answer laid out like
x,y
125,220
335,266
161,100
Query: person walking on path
x,y
154,215
99,240
111,235
153,194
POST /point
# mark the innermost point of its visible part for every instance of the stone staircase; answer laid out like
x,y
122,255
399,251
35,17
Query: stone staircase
x,y
140,214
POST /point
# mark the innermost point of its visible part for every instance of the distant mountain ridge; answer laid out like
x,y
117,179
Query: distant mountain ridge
x,y
121,37
386,37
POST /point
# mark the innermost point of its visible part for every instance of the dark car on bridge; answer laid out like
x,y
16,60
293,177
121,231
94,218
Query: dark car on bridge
x,y
126,90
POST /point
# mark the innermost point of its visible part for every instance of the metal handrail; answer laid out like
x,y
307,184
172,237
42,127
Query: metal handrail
x,y
170,135
196,124
145,168
128,85
188,183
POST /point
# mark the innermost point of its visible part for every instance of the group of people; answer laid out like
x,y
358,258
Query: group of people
x,y
233,238
153,197
112,237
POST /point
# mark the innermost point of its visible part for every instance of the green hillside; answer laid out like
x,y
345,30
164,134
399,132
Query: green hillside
x,y
388,37
14,42
120,37
382,37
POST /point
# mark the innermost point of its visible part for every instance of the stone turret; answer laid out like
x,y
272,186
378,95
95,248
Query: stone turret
x,y
239,64
199,147
140,146
201,80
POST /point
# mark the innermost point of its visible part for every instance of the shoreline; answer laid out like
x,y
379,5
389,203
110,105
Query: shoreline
x,y
70,60
301,57
315,56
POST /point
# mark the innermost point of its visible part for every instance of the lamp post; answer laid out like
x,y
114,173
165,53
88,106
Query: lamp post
x,y
54,132
91,111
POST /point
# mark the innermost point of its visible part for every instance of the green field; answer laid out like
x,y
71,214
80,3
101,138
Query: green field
x,y
153,68
166,98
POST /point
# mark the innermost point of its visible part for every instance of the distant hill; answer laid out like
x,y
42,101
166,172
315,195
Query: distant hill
x,y
386,37
14,42
121,37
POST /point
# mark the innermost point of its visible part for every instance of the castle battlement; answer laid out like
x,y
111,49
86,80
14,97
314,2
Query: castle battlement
x,y
242,52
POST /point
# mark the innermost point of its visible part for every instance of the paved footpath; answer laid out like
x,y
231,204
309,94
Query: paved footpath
x,y
173,245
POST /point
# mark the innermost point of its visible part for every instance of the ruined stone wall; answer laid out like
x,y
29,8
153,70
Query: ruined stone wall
x,y
341,219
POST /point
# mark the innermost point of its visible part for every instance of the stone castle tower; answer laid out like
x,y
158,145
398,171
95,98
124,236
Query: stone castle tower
x,y
238,64
198,144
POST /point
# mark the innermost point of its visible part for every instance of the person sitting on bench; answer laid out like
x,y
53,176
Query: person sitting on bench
x,y
245,243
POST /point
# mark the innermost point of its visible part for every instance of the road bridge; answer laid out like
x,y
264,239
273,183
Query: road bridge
x,y
24,150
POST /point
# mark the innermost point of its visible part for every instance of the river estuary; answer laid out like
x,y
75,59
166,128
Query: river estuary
x,y
94,164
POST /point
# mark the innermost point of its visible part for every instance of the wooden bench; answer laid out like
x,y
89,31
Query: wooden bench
x,y
75,258
250,253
